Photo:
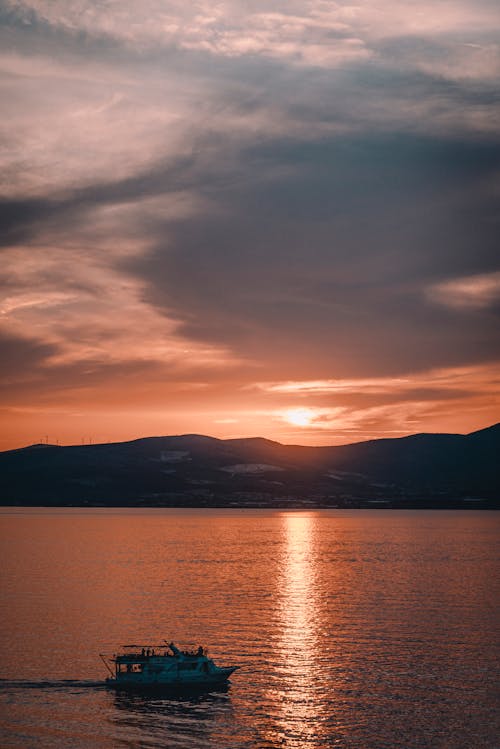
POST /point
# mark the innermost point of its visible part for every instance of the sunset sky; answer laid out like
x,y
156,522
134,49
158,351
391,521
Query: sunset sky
x,y
245,218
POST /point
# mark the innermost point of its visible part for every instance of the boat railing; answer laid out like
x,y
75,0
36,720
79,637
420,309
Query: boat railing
x,y
145,652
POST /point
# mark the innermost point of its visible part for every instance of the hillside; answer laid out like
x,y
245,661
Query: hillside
x,y
422,470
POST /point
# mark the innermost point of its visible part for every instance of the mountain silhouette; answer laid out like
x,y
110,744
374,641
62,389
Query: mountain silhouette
x,y
422,470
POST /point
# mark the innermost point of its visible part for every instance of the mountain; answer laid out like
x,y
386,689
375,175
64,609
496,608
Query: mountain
x,y
422,470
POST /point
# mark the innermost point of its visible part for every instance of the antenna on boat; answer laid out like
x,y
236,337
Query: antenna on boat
x,y
103,659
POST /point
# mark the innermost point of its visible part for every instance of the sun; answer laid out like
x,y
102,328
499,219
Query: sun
x,y
299,417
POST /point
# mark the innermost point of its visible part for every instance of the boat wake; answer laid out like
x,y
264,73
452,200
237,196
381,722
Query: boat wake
x,y
60,684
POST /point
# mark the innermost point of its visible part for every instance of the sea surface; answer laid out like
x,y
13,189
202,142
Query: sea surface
x,y
355,629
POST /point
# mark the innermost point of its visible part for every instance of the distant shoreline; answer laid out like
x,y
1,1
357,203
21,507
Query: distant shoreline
x,y
465,505
422,471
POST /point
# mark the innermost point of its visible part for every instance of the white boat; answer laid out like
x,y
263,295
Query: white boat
x,y
143,666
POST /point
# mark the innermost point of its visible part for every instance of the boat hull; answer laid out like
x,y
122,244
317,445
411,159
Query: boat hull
x,y
165,681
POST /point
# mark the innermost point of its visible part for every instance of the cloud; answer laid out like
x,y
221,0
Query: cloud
x,y
434,384
204,197
321,265
343,411
126,84
21,356
469,292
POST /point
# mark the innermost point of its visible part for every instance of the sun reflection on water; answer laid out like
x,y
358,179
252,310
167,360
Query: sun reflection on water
x,y
297,690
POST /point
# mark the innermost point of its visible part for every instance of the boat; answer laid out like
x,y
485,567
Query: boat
x,y
158,666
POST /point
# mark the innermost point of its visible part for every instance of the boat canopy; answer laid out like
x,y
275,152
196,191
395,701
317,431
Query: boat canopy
x,y
134,647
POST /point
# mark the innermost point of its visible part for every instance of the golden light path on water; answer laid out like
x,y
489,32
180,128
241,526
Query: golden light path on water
x,y
297,693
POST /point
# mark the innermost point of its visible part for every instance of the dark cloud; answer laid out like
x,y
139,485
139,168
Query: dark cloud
x,y
21,357
314,256
330,261
22,220
24,29
28,368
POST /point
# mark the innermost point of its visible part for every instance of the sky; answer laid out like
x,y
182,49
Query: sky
x,y
244,218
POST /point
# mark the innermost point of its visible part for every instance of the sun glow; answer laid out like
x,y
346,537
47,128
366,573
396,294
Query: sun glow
x,y
299,417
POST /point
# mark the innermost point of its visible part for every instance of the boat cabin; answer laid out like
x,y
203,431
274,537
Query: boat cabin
x,y
163,665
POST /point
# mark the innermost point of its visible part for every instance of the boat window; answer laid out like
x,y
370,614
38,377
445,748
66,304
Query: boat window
x,y
130,668
185,666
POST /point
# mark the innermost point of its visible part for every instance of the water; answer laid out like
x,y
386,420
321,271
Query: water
x,y
360,630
